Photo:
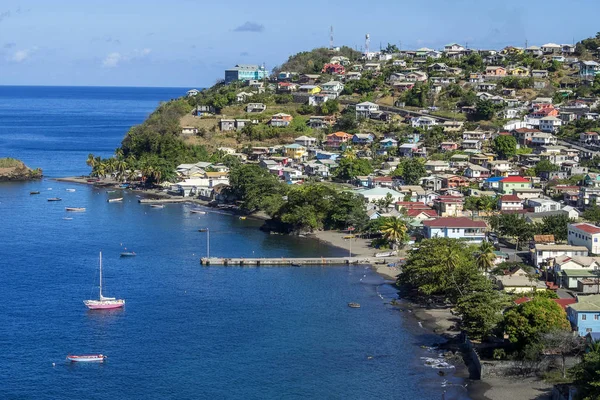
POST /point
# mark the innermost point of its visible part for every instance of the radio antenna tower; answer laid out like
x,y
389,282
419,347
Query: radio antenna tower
x,y
331,37
367,41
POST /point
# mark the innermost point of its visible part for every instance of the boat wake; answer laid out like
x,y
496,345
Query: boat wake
x,y
437,363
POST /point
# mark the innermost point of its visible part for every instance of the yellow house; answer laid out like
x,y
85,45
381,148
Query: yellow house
x,y
295,151
310,89
490,156
519,71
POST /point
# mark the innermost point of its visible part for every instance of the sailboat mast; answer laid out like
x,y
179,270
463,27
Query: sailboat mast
x,y
100,275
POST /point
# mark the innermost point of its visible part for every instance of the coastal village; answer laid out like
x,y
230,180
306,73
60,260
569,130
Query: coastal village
x,y
459,157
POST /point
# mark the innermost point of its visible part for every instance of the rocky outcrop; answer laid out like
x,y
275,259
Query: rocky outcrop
x,y
12,170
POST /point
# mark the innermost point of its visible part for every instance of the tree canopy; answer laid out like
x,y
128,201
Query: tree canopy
x,y
505,146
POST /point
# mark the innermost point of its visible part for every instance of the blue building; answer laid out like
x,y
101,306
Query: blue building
x,y
493,182
245,72
326,155
363,138
585,314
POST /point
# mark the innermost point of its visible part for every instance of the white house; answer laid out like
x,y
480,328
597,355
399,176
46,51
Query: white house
x,y
568,270
306,141
332,87
364,109
423,122
380,193
543,138
550,124
192,93
546,252
457,228
584,234
543,205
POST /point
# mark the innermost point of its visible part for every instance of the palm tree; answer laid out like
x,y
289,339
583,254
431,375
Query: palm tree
x,y
485,257
91,160
394,230
121,168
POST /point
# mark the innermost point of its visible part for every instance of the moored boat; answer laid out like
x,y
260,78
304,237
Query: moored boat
x,y
70,190
118,199
128,254
353,305
157,206
86,358
203,230
194,211
54,199
103,303
242,218
75,209
34,192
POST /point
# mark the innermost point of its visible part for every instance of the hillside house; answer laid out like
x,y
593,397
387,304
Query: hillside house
x,y
508,184
306,141
495,71
245,72
296,152
336,139
510,202
544,253
585,234
363,138
332,87
189,130
334,69
364,109
280,120
449,206
458,228
584,315
255,107
423,122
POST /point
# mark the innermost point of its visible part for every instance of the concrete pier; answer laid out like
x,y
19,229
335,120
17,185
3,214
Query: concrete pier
x,y
294,261
164,201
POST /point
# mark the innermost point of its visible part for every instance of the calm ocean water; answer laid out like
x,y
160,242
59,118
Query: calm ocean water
x,y
187,332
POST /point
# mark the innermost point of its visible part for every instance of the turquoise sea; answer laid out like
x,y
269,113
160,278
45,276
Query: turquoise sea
x,y
187,332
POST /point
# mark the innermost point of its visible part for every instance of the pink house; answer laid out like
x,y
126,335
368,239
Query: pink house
x,y
337,138
449,146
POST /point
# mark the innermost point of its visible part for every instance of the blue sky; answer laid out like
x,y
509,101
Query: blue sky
x,y
188,43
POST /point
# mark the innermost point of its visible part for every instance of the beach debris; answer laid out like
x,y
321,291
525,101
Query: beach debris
x,y
420,324
437,363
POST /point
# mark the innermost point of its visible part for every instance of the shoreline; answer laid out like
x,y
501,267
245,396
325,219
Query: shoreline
x,y
437,321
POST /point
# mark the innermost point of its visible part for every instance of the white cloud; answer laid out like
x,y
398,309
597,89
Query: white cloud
x,y
114,59
22,55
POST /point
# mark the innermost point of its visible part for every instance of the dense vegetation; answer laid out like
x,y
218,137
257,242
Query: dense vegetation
x,y
312,62
295,207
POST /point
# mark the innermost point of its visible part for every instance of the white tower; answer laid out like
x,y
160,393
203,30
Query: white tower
x,y
367,41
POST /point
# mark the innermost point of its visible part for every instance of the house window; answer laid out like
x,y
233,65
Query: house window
x,y
596,317
595,240
583,317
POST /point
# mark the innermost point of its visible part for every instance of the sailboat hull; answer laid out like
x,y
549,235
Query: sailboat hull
x,y
104,304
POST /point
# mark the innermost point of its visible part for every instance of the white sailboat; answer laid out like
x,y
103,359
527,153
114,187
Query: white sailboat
x,y
104,303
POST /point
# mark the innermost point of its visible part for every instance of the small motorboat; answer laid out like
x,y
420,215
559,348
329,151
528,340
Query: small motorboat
x,y
70,190
75,209
194,211
128,254
35,192
157,206
67,218
295,264
203,230
54,199
87,358
242,218
353,305
116,200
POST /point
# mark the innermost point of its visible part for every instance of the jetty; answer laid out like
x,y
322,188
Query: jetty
x,y
317,261
164,200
